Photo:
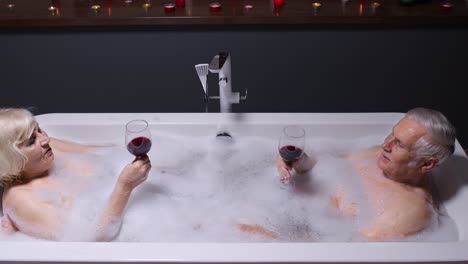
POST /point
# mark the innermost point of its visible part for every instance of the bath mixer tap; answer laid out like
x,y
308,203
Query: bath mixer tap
x,y
221,65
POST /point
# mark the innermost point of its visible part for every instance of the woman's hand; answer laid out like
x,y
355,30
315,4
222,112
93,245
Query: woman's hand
x,y
7,226
135,173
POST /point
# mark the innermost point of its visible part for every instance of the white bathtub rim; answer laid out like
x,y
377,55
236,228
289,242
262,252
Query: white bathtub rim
x,y
216,118
234,252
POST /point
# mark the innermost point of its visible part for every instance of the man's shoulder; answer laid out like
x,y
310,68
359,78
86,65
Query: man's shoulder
x,y
413,208
363,154
408,214
423,197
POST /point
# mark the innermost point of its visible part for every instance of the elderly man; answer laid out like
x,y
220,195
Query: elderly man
x,y
395,174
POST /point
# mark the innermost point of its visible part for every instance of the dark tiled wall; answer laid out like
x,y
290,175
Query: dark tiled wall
x,y
303,70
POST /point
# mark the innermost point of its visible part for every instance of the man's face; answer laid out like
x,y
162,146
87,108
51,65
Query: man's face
x,y
398,151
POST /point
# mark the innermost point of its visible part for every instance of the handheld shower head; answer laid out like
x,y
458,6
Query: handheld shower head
x,y
202,71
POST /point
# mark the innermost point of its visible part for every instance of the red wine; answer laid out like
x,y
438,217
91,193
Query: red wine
x,y
139,146
290,153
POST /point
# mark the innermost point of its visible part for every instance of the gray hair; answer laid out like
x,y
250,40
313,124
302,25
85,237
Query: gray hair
x,y
16,126
440,141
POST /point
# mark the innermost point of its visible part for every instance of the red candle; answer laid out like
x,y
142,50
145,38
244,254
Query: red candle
x,y
107,3
170,7
445,7
215,6
180,3
278,2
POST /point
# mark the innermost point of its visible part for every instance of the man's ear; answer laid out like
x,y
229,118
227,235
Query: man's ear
x,y
428,164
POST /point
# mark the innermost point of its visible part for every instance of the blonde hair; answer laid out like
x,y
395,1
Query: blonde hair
x,y
16,126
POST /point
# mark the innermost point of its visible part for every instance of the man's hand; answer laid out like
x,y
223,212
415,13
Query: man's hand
x,y
284,168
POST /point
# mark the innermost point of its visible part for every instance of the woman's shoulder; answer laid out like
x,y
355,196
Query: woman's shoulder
x,y
16,194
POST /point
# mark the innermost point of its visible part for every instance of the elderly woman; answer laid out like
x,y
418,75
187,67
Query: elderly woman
x,y
27,157
395,175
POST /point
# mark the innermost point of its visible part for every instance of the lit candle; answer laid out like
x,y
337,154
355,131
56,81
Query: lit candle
x,y
278,3
446,7
169,7
215,6
180,3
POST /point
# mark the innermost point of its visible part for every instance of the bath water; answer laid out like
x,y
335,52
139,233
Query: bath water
x,y
202,189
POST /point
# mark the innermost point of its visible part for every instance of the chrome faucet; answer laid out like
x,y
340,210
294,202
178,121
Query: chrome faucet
x,y
221,64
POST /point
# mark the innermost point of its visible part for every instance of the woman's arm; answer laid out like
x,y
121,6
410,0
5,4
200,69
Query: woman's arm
x,y
31,216
40,219
7,225
68,146
257,229
110,221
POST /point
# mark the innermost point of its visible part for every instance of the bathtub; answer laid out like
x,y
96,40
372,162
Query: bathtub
x,y
109,128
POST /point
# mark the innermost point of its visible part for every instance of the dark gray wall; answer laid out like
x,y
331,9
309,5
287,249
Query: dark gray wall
x,y
306,70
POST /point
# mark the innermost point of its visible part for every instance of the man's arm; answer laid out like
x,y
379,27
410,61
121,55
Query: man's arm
x,y
301,166
338,200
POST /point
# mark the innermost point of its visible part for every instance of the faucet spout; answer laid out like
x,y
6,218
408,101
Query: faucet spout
x,y
221,65
222,61
226,96
218,61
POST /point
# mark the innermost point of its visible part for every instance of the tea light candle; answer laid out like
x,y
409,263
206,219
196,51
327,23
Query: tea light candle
x,y
169,7
446,7
215,6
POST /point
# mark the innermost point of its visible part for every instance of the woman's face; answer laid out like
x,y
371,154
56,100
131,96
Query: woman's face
x,y
38,153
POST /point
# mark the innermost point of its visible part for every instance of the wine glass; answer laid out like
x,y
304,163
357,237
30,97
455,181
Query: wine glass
x,y
291,144
138,137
